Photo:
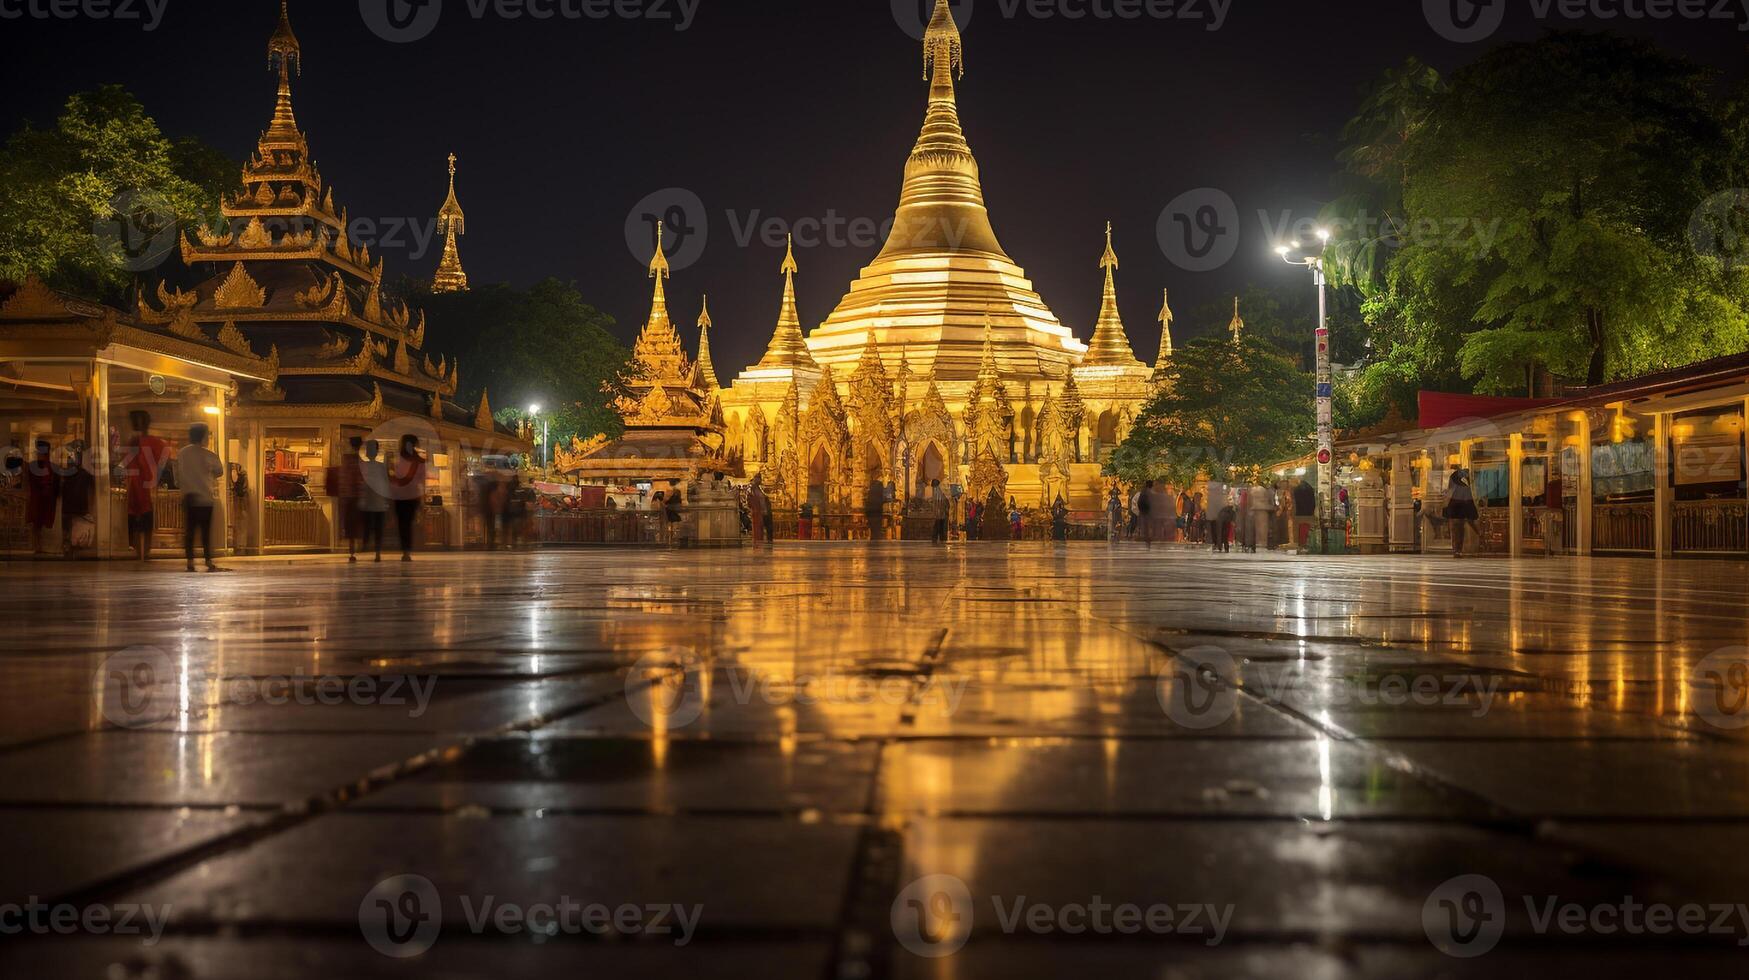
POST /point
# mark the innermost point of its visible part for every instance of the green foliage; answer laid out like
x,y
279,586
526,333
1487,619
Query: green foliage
x,y
1227,405
542,345
1539,209
100,197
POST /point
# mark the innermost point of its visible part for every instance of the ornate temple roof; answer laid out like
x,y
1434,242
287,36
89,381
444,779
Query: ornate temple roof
x,y
284,277
1110,346
787,348
942,268
707,372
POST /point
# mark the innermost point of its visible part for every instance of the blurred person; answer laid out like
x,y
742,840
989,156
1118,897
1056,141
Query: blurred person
x,y
78,504
198,470
1261,500
349,479
374,496
42,487
1460,509
938,506
144,460
1220,516
407,480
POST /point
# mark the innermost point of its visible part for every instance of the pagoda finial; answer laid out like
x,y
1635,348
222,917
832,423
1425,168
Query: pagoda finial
x,y
283,52
659,262
943,50
450,277
1110,346
706,370
1166,319
1238,324
788,348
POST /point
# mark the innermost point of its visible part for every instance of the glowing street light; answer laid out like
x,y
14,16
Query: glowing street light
x,y
1326,386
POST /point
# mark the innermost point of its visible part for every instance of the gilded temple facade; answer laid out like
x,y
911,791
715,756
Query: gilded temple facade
x,y
942,361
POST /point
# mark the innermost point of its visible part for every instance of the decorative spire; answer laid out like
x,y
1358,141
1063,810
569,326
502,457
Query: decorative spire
x,y
660,358
283,53
1166,319
1238,324
987,367
788,348
705,368
1110,346
450,276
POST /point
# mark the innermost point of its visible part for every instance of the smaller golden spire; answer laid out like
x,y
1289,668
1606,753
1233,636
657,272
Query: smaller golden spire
x,y
283,52
1238,324
1166,319
451,278
706,370
788,348
1110,346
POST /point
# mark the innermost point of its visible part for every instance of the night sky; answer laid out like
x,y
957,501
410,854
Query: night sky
x,y
790,110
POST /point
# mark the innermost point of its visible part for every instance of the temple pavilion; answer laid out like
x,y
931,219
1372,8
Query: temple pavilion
x,y
282,281
942,361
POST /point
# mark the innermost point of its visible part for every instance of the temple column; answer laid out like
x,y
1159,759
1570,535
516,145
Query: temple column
x,y
222,446
1582,534
1515,491
1662,492
101,464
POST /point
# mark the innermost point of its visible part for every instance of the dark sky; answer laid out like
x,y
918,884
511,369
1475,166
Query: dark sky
x,y
788,109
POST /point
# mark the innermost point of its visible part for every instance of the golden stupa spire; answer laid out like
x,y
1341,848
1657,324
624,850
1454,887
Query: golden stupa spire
x,y
659,356
1238,324
1166,319
788,348
1110,346
452,222
943,49
283,52
705,369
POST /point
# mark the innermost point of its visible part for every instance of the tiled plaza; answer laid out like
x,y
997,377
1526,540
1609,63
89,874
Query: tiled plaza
x,y
843,761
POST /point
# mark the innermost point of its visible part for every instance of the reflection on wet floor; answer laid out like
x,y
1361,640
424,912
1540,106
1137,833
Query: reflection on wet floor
x,y
789,739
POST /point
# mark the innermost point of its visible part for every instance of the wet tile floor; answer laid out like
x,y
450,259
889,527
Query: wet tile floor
x,y
853,762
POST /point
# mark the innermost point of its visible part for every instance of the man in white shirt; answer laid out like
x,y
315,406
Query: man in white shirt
x,y
197,475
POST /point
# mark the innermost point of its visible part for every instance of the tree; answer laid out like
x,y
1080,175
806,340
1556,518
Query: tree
x,y
542,345
1540,207
1226,404
101,196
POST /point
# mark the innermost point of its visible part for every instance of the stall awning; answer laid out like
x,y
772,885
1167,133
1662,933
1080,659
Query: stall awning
x,y
1439,409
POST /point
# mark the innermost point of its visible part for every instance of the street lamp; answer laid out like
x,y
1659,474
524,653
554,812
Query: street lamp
x,y
1326,387
546,432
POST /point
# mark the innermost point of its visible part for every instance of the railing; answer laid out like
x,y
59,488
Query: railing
x,y
295,524
601,526
1496,525
1622,527
1715,526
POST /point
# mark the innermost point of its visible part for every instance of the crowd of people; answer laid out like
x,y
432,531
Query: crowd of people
x,y
1255,516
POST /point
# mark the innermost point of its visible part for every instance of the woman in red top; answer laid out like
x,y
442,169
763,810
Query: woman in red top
x,y
145,459
407,482
43,491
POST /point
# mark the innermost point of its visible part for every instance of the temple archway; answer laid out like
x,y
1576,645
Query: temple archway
x,y
931,465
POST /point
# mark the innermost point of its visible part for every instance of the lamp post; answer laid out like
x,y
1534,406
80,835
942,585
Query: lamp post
x,y
546,432
1326,388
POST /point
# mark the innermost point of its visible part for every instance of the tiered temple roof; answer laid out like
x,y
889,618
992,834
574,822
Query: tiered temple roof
x,y
285,278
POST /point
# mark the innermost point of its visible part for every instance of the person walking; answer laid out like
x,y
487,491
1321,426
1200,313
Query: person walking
x,y
1060,521
1262,501
374,496
874,508
144,463
197,474
1305,512
1166,514
1460,509
1016,530
42,487
938,511
408,481
349,487
759,511
78,500
1554,512
671,515
1220,516
1114,516
1145,513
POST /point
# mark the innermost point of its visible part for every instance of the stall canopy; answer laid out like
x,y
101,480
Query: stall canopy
x,y
1440,408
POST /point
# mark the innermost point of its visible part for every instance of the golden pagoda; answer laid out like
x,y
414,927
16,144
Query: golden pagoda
x,y
673,419
942,303
1163,362
283,276
450,278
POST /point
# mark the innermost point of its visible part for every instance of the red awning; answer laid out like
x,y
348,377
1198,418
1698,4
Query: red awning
x,y
1441,408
